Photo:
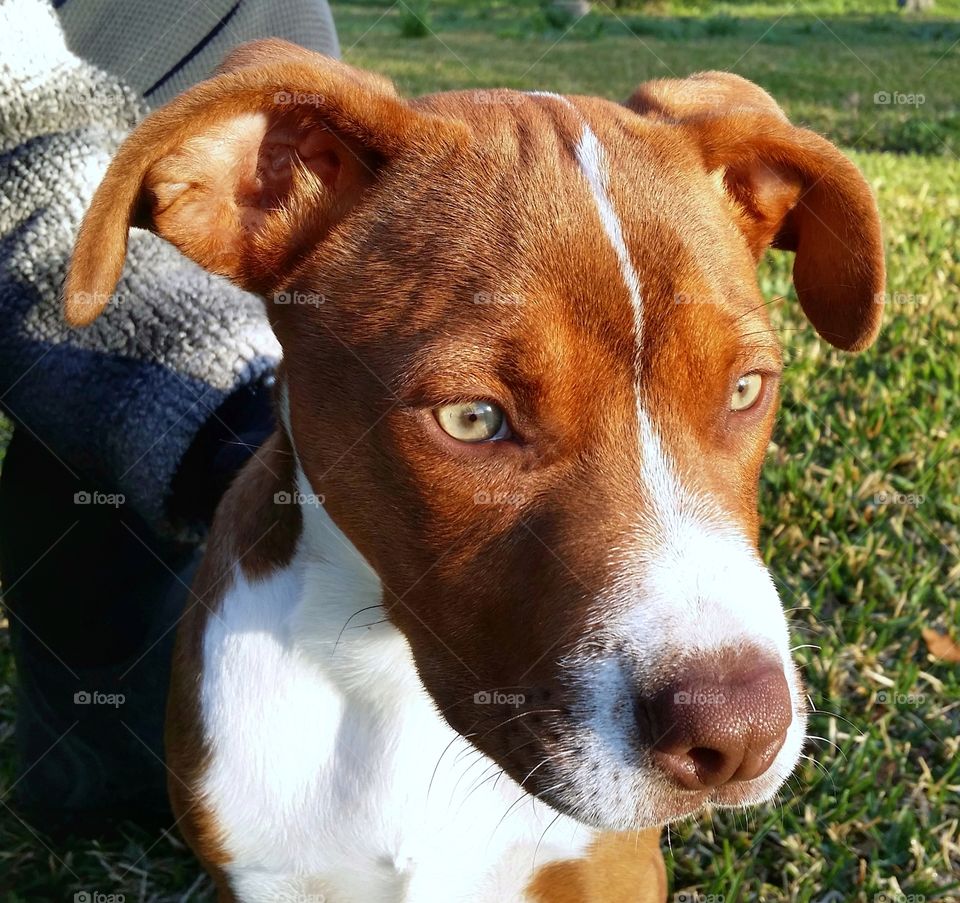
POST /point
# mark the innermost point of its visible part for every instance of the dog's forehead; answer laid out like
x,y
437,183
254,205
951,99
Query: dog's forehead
x,y
584,222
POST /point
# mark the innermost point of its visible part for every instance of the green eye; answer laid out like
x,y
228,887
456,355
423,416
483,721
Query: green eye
x,y
747,392
472,421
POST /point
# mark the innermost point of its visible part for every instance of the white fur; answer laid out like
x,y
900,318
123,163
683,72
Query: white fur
x,y
323,751
593,164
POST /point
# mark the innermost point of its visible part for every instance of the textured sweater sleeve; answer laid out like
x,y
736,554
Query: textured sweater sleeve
x,y
120,402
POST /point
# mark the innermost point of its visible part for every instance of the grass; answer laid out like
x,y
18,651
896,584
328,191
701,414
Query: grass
x,y
860,489
830,72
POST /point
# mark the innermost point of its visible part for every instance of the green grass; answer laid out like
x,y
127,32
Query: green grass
x,y
826,72
876,808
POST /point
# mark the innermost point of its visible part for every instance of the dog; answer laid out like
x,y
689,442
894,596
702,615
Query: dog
x,y
487,610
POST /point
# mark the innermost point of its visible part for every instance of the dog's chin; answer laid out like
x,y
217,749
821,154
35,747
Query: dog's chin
x,y
664,805
652,811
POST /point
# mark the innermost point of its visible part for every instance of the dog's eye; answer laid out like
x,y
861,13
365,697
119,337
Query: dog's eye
x,y
747,392
473,421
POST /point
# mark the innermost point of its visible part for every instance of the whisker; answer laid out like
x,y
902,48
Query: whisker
x,y
815,711
535,768
526,794
836,746
826,773
540,841
773,331
482,780
519,799
445,751
776,299
521,715
342,629
477,760
370,624
469,751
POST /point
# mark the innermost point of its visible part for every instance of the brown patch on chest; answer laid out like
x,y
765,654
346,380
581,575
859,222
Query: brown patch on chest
x,y
618,868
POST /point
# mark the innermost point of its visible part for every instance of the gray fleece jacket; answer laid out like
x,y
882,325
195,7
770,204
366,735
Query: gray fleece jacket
x,y
120,402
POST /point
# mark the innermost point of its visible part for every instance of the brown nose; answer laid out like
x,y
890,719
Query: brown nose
x,y
720,722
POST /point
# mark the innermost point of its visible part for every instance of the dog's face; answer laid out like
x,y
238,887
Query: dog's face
x,y
528,367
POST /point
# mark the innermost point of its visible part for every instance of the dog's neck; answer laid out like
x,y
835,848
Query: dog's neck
x,y
345,754
339,621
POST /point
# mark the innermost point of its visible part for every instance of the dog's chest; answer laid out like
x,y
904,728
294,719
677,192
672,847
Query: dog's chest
x,y
331,775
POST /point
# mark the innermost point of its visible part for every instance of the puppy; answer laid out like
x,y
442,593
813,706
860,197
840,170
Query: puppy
x,y
487,610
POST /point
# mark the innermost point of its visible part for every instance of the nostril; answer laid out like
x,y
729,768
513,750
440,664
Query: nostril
x,y
698,768
707,762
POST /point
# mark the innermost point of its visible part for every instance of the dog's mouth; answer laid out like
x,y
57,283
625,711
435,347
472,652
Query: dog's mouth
x,y
624,796
607,770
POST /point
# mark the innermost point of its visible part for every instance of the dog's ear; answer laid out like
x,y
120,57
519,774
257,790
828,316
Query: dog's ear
x,y
247,171
788,188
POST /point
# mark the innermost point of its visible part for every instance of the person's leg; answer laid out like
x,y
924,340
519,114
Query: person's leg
x,y
91,607
161,49
92,598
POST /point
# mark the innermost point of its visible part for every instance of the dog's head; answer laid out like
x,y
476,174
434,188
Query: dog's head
x,y
530,371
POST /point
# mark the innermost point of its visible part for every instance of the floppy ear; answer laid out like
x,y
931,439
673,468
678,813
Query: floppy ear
x,y
788,188
247,171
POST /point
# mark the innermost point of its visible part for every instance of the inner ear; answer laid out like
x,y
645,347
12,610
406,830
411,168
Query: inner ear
x,y
246,196
247,171
762,196
284,147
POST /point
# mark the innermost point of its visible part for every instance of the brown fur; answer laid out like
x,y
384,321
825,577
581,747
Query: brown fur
x,y
618,868
790,188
